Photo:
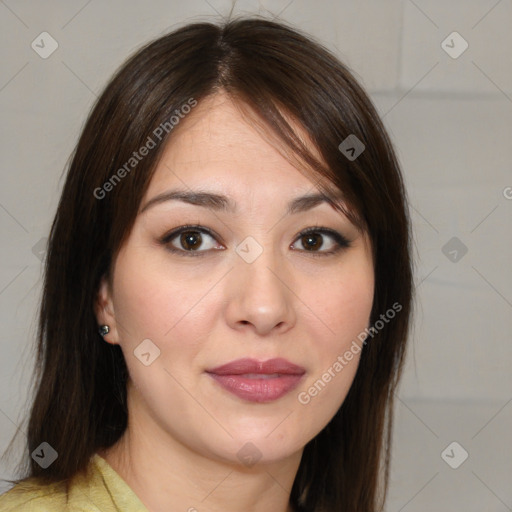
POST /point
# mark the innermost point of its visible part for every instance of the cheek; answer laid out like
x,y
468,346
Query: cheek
x,y
343,301
344,305
154,301
176,313
350,302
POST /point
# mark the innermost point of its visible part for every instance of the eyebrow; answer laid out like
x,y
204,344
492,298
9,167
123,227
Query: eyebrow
x,y
222,203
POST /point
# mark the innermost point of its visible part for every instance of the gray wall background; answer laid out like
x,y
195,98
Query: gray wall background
x,y
450,116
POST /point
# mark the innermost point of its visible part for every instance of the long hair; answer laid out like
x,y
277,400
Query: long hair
x,y
279,73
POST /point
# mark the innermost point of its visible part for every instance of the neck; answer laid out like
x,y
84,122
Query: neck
x,y
168,476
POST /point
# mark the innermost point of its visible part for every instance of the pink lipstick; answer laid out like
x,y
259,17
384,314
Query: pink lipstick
x,y
258,381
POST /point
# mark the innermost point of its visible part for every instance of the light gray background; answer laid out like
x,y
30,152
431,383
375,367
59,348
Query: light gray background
x,y
451,122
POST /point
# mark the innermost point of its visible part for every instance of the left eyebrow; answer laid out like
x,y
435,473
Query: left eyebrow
x,y
309,201
223,203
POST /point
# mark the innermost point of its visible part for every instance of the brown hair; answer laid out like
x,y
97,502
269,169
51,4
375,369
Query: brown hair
x,y
79,403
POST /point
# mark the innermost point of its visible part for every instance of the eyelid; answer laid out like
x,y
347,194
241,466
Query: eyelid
x,y
166,239
341,241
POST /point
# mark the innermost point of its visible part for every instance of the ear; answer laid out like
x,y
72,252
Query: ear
x,y
104,310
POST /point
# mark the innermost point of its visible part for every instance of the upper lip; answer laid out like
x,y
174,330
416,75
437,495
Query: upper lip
x,y
271,366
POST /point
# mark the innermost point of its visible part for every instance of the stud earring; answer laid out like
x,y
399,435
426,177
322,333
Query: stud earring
x,y
103,330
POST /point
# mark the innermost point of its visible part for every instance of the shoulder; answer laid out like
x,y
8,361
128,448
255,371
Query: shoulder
x,y
31,496
73,495
98,489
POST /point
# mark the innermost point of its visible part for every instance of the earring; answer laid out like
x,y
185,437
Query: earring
x,y
104,329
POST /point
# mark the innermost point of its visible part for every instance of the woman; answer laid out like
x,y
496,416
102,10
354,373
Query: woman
x,y
227,287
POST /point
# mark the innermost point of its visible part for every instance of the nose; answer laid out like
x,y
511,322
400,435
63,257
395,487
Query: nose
x,y
260,296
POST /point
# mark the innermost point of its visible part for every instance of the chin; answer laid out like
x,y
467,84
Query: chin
x,y
260,442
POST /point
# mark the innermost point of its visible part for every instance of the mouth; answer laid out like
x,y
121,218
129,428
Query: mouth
x,y
258,381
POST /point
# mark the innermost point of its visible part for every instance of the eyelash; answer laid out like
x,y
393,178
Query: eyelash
x,y
339,239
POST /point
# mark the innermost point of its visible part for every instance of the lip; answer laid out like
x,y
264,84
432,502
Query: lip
x,y
258,381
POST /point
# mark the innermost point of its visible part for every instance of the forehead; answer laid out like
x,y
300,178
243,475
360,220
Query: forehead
x,y
218,143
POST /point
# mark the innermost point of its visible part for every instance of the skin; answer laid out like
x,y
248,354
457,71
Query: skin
x,y
179,452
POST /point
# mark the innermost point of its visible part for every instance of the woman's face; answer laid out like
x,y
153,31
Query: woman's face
x,y
244,284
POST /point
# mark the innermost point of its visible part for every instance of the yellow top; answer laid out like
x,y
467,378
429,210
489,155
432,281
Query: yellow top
x,y
103,491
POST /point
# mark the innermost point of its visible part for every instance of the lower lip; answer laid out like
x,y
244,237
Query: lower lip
x,y
258,390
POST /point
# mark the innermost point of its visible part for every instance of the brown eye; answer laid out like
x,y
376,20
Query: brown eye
x,y
191,240
326,239
312,242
